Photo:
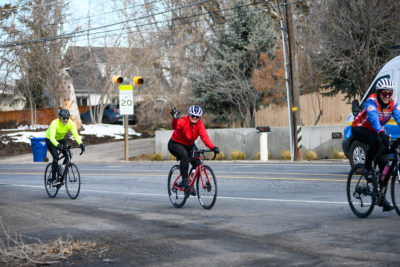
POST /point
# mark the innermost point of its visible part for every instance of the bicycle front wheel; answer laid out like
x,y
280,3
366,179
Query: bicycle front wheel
x,y
176,193
360,193
73,181
395,191
50,189
206,187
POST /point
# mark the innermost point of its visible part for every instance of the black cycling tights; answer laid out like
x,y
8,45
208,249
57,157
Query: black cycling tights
x,y
54,153
375,144
183,154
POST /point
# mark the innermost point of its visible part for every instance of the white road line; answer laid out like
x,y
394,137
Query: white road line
x,y
219,197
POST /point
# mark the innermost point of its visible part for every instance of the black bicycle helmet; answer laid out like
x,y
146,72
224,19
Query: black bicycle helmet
x,y
64,114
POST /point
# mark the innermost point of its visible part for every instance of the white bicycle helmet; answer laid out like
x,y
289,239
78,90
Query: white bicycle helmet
x,y
195,111
385,84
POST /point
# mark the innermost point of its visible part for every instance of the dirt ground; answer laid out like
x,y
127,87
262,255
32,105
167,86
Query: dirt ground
x,y
10,148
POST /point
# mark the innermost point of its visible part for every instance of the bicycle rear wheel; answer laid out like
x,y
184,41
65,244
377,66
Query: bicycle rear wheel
x,y
176,194
206,186
73,181
360,193
50,189
395,191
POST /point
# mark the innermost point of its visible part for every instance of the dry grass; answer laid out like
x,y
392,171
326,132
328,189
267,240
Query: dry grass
x,y
311,155
237,155
338,155
20,250
285,155
220,156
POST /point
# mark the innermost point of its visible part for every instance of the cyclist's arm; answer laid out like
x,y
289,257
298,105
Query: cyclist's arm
x,y
174,123
74,132
372,116
52,133
396,113
204,135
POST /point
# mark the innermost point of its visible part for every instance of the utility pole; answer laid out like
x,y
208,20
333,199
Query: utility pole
x,y
291,79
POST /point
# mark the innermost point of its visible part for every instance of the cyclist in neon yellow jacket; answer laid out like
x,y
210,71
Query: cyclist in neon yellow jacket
x,y
55,138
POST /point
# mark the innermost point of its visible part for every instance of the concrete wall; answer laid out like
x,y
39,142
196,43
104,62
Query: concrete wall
x,y
318,138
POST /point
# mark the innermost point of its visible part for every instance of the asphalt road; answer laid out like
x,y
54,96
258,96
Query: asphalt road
x,y
266,214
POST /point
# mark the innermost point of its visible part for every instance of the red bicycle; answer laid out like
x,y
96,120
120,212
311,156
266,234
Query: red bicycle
x,y
206,183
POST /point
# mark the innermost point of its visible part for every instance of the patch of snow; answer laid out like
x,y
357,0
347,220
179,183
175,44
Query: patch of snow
x,y
100,130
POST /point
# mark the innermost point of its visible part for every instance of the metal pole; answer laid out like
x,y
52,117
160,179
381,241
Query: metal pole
x,y
288,78
126,137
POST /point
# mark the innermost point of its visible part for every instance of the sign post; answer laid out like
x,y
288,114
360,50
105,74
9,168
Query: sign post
x,y
126,108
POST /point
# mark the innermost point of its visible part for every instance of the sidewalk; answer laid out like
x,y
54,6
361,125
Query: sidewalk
x,y
107,152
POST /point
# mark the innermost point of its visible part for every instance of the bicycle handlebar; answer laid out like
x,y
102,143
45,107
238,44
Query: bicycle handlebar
x,y
202,151
68,147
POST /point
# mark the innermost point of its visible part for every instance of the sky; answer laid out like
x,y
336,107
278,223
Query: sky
x,y
25,132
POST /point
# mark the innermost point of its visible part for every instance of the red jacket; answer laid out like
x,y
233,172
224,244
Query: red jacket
x,y
186,133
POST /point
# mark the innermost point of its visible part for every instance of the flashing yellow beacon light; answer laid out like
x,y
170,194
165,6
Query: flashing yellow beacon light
x,y
138,80
117,79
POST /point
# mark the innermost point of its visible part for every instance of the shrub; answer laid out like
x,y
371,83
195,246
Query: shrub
x,y
258,157
285,155
311,155
220,156
338,155
237,155
155,157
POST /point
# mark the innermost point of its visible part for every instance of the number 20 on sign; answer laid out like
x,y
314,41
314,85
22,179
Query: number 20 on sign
x,y
126,99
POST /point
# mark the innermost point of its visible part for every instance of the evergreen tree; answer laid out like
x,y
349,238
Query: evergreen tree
x,y
224,86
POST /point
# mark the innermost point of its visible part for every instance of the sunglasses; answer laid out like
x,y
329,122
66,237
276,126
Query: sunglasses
x,y
195,117
386,94
64,119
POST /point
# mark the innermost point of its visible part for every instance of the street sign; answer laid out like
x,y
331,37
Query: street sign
x,y
126,99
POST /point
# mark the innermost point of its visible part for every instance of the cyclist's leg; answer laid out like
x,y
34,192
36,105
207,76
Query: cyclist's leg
x,y
182,154
194,162
371,139
53,151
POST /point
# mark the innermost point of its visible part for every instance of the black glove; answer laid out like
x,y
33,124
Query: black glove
x,y
174,113
59,146
82,146
385,139
215,149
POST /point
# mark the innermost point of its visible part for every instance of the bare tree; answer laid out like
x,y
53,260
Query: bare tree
x,y
350,41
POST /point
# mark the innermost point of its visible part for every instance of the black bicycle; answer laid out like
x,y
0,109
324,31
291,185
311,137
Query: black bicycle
x,y
364,195
206,184
67,173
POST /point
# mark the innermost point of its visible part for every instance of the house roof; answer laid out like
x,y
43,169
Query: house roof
x,y
91,67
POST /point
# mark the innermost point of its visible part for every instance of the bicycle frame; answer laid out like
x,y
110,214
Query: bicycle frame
x,y
196,174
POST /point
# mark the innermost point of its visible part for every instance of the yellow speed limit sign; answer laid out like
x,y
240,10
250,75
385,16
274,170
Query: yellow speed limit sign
x,y
126,99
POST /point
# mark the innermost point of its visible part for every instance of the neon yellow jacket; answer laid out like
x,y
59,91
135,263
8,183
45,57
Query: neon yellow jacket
x,y
57,130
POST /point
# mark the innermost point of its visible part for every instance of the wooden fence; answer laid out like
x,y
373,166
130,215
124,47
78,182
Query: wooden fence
x,y
44,116
334,112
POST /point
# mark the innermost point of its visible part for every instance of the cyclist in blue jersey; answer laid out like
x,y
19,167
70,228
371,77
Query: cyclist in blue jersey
x,y
368,128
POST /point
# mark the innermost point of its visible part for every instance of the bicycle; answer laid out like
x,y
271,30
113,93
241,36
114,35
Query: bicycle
x,y
206,183
363,195
67,173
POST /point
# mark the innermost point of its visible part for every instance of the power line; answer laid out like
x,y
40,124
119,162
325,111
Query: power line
x,y
166,26
63,36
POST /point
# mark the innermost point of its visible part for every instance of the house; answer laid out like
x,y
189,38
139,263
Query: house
x,y
9,100
92,68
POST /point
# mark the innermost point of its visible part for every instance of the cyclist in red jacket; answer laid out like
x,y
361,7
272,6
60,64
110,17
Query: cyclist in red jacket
x,y
182,142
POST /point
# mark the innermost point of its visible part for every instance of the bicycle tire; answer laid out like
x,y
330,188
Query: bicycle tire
x,y
177,197
360,192
395,191
50,189
206,194
72,181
